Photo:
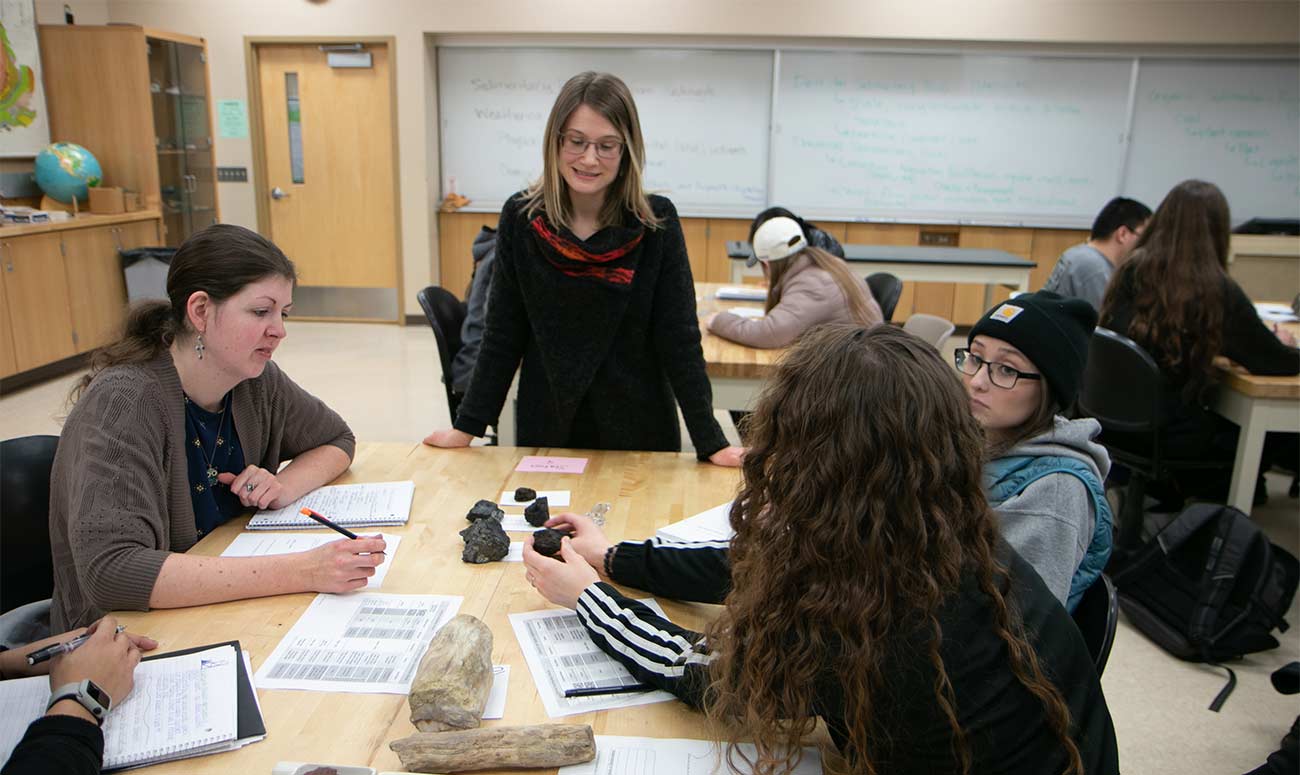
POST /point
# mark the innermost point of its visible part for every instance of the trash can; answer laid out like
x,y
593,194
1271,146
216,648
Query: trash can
x,y
145,270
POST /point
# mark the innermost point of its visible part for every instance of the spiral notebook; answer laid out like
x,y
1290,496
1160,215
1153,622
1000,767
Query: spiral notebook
x,y
349,505
184,704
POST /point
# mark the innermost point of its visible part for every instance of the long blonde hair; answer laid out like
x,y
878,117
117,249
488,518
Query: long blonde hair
x,y
854,288
609,96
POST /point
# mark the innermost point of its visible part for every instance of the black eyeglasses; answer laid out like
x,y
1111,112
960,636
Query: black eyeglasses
x,y
606,147
1000,374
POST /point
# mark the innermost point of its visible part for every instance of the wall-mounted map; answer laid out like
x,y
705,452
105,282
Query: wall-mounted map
x,y
24,124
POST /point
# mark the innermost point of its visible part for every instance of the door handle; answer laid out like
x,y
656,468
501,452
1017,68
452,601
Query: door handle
x,y
278,193
9,258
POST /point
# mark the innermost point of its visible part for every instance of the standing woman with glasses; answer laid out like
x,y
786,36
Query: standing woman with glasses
x,y
593,292
1044,474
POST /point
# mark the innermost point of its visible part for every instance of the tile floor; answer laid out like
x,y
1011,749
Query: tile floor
x,y
385,381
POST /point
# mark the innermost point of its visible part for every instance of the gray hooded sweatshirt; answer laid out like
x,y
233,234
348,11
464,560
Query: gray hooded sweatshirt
x,y
1050,522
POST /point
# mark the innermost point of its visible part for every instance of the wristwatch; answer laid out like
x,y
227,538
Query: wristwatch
x,y
88,693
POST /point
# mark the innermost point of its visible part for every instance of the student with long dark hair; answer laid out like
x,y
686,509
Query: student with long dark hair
x,y
179,426
806,287
593,293
1045,474
866,584
1174,297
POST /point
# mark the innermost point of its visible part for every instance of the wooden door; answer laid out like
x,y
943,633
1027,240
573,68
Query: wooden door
x,y
8,365
36,289
328,177
96,288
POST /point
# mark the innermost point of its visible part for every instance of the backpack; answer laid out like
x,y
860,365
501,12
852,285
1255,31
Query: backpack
x,y
1210,586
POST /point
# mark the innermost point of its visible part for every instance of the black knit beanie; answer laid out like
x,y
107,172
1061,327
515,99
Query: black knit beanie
x,y
1052,331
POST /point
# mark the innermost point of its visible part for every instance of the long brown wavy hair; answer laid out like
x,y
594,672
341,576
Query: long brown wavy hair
x,y
609,96
863,455
1176,279
854,289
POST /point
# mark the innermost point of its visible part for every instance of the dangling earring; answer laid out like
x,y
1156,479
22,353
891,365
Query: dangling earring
x,y
198,346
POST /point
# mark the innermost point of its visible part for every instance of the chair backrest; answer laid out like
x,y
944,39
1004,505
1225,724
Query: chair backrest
x,y
1097,616
1122,385
886,289
445,314
931,328
26,567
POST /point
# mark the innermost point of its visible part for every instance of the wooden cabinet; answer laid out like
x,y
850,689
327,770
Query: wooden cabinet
x,y
61,286
36,290
139,100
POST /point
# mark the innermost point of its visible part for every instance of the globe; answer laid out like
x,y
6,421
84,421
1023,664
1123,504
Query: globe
x,y
66,170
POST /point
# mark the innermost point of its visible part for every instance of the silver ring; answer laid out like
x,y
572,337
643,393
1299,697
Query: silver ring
x,y
250,487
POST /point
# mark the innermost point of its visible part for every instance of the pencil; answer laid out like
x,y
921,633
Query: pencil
x,y
596,691
321,518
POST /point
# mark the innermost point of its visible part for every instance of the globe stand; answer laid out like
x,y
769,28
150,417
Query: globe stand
x,y
49,203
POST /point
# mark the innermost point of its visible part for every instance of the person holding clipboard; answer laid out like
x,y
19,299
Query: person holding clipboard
x,y
181,425
593,293
92,673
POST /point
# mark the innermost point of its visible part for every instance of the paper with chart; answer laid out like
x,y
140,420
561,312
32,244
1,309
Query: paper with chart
x,y
711,525
561,655
179,706
258,544
350,505
617,755
366,643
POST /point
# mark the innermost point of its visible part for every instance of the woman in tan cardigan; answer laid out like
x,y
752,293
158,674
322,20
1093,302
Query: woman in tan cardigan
x,y
183,424
807,286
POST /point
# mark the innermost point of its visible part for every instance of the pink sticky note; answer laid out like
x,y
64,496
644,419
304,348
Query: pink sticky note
x,y
553,465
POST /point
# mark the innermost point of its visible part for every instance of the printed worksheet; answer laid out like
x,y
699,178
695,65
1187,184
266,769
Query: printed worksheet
x,y
257,544
365,643
560,656
654,756
711,525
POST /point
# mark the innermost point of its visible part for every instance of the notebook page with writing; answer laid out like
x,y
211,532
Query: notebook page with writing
x,y
350,505
181,705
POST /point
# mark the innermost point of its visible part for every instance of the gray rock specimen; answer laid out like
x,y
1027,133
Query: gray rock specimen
x,y
525,494
485,510
538,512
451,686
546,542
485,541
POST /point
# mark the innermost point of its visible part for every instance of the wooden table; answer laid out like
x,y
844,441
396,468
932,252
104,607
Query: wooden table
x,y
1257,405
646,489
921,264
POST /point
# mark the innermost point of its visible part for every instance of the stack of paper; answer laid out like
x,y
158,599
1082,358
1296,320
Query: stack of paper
x,y
349,505
711,525
739,293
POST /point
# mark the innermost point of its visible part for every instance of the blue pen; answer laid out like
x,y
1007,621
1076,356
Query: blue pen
x,y
54,650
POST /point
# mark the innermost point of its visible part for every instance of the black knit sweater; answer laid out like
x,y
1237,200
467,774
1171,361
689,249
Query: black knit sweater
x,y
601,365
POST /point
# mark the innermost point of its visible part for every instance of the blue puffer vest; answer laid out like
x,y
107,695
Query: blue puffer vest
x,y
1010,477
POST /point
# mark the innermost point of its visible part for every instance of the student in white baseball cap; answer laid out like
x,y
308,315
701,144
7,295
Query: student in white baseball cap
x,y
807,286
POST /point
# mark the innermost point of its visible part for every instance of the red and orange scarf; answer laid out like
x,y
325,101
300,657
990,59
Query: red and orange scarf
x,y
614,267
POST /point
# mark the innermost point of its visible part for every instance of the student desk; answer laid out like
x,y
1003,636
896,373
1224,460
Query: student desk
x,y
646,489
921,264
1257,405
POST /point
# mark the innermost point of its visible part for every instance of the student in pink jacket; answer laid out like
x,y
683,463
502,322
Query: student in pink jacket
x,y
807,286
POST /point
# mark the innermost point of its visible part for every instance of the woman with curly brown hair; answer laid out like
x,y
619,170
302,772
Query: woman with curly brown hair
x,y
866,585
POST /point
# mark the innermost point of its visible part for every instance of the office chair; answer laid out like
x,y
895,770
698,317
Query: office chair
x,y
1097,616
931,328
1123,390
886,289
26,565
445,314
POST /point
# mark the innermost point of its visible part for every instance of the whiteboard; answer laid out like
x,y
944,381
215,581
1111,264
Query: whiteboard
x,y
949,137
1235,124
704,117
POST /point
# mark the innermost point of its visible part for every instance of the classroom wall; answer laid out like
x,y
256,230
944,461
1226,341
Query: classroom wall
x,y
83,11
224,24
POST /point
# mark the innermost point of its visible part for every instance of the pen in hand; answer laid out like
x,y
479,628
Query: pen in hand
x,y
55,649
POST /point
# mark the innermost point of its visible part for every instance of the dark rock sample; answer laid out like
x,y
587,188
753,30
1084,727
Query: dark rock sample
x,y
538,512
546,542
485,510
485,541
525,494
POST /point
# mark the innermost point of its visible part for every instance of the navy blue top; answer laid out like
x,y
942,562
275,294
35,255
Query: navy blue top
x,y
210,440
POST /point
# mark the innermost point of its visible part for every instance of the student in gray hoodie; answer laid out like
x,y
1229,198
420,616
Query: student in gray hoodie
x,y
1045,475
484,251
